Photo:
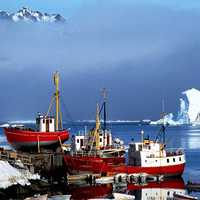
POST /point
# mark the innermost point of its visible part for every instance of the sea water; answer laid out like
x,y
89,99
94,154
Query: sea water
x,y
186,137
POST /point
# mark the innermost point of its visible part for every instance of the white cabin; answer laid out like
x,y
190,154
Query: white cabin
x,y
105,140
153,154
45,123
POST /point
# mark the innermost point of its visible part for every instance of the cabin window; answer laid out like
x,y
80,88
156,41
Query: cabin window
x,y
43,121
174,159
50,121
100,139
77,140
167,160
179,158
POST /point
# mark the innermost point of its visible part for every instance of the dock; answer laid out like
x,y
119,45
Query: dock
x,y
47,164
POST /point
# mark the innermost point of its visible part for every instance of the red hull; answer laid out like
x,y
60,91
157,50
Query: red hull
x,y
116,165
26,139
92,163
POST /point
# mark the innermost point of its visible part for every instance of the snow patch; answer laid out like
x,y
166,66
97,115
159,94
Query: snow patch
x,y
12,176
28,15
4,125
22,122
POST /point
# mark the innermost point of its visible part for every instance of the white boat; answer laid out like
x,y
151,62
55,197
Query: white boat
x,y
120,196
60,197
37,197
178,196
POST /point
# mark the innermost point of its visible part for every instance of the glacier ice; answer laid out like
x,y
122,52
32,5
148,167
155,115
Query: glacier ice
x,y
193,97
183,117
189,111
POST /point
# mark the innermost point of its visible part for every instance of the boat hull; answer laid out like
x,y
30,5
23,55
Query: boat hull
x,y
77,164
22,139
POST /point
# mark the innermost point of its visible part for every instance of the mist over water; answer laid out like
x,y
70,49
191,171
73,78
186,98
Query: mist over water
x,y
140,53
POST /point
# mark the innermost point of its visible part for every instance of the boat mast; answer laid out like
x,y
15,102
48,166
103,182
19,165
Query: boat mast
x,y
163,118
57,97
104,93
96,133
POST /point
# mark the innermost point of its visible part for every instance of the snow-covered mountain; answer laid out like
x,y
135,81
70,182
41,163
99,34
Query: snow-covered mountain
x,y
189,112
26,14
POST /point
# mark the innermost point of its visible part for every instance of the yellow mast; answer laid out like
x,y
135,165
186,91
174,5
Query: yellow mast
x,y
96,132
57,95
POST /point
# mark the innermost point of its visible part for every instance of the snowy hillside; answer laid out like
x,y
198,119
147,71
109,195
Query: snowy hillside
x,y
26,14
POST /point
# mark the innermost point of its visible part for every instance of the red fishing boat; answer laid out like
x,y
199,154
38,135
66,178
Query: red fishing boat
x,y
97,153
49,132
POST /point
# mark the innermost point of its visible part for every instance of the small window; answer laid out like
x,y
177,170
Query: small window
x,y
174,159
77,140
100,139
179,158
168,193
50,121
156,160
167,160
43,121
145,160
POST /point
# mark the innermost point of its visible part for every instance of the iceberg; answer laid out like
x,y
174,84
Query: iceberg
x,y
193,98
189,111
166,120
183,117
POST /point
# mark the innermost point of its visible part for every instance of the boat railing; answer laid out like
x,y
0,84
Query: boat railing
x,y
85,154
168,152
174,152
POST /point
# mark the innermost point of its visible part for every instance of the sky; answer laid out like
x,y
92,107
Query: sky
x,y
141,51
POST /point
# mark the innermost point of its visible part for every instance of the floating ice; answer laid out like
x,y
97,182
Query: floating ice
x,y
189,112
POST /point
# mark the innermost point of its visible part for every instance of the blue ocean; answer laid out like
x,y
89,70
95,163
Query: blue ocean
x,y
186,137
